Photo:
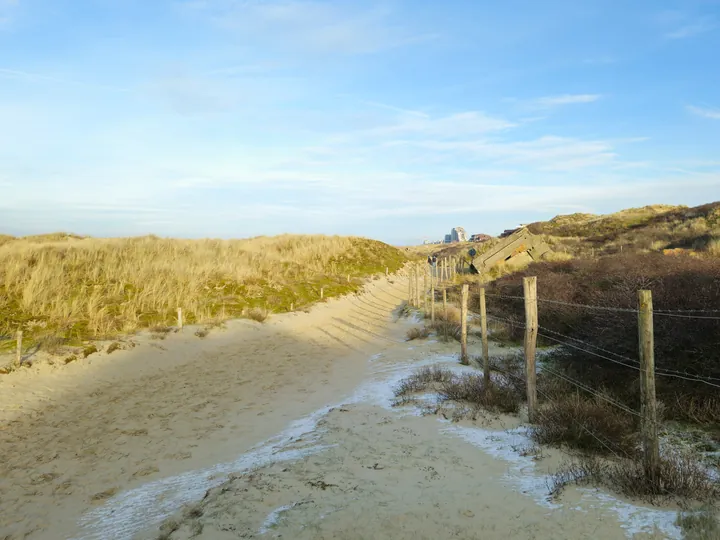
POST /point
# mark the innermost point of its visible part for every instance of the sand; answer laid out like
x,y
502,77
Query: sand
x,y
281,429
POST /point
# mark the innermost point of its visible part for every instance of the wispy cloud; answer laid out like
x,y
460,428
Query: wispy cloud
x,y
567,99
692,27
713,114
310,26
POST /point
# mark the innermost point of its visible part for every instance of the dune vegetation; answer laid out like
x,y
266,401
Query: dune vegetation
x,y
65,289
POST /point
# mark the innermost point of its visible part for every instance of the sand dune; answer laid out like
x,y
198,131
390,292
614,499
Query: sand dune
x,y
280,429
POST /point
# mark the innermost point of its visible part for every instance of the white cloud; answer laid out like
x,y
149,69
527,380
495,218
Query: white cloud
x,y
713,114
567,99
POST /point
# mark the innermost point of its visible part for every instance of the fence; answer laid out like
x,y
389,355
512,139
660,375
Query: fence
x,y
533,328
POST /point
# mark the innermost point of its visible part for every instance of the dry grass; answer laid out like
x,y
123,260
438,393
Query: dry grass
x,y
80,288
418,333
702,524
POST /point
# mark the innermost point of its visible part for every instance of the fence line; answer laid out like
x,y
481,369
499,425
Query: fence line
x,y
644,365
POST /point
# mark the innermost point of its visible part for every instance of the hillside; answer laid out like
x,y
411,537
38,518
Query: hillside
x,y
62,289
651,228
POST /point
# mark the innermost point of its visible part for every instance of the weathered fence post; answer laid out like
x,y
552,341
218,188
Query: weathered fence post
x,y
425,290
18,353
348,278
180,318
531,330
410,286
432,301
292,306
387,271
445,315
322,293
417,285
648,406
463,325
485,346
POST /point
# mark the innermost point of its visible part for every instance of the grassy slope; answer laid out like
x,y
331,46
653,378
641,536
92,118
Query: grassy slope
x,y
83,288
651,228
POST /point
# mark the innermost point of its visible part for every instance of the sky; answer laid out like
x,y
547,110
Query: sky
x,y
390,119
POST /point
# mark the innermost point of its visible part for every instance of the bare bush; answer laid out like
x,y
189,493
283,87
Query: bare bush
x,y
417,333
679,475
587,424
470,388
447,330
422,379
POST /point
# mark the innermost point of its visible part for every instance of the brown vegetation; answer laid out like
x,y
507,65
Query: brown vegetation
x,y
684,344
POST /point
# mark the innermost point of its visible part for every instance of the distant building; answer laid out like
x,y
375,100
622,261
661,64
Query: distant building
x,y
458,234
448,238
480,238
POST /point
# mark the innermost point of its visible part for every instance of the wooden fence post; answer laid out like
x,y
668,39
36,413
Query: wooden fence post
x,y
180,319
432,301
648,406
531,331
292,306
387,271
417,285
485,346
445,315
322,293
410,286
463,325
348,278
425,290
18,353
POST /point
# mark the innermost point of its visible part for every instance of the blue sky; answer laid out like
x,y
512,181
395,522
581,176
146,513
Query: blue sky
x,y
395,120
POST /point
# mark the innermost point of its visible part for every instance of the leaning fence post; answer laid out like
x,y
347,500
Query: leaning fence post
x,y
18,354
531,330
648,406
463,325
485,346
180,318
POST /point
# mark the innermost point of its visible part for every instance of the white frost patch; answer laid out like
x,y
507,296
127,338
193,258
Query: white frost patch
x,y
502,445
524,476
273,518
128,513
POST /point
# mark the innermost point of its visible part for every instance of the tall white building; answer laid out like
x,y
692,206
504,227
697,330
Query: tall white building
x,y
458,234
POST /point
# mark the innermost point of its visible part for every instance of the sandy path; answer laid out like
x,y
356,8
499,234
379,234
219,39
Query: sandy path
x,y
72,437
362,469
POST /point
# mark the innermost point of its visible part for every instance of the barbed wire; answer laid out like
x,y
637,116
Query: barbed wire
x,y
680,316
605,442
568,304
592,391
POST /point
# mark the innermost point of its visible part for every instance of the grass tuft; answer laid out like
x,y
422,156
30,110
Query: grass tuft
x,y
680,475
418,333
